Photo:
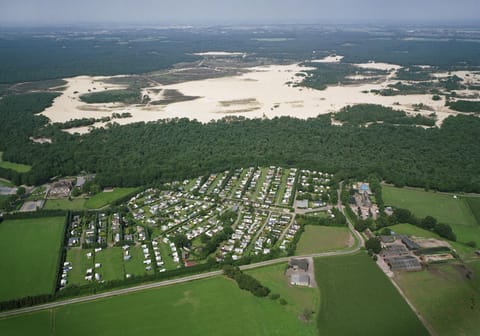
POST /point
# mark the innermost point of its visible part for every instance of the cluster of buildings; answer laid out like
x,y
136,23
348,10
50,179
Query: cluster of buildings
x,y
173,249
245,231
287,196
361,202
270,186
60,189
67,267
404,253
92,273
312,188
90,231
272,231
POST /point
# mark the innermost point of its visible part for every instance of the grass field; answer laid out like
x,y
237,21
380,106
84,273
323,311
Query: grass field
x,y
422,203
318,238
29,255
358,299
135,266
205,307
21,168
38,324
112,263
65,204
445,297
298,298
104,198
460,213
6,183
80,264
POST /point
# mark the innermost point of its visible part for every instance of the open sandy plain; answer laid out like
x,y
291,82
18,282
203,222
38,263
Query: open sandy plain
x,y
262,92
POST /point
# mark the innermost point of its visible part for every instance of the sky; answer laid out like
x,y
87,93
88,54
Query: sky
x,y
191,12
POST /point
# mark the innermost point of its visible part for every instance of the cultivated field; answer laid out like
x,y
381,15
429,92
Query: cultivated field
x,y
29,255
206,307
318,238
356,295
444,207
104,198
21,168
474,204
445,297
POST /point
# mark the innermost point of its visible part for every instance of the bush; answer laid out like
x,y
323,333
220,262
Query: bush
x,y
374,245
282,301
471,244
274,296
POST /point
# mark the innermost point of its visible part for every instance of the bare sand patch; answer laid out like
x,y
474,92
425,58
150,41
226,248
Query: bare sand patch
x,y
378,66
328,59
219,53
256,93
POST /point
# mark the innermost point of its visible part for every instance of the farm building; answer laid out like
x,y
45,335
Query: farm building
x,y
299,264
394,250
300,279
410,244
404,263
387,239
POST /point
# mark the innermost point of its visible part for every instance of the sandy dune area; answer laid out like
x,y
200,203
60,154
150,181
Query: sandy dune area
x,y
261,92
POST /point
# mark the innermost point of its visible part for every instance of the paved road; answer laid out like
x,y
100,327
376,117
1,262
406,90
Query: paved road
x,y
123,291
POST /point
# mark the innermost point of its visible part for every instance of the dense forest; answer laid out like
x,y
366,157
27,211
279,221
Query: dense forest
x,y
445,158
65,53
365,113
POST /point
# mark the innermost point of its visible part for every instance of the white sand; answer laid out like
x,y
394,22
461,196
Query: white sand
x,y
219,53
328,59
378,66
261,92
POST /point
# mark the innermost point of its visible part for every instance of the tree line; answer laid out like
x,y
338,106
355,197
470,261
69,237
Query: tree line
x,y
445,158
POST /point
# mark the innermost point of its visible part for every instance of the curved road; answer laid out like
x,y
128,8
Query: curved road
x,y
123,291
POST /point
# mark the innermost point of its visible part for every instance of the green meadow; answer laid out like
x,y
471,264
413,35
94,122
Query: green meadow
x,y
318,238
446,297
29,255
462,213
21,168
206,307
104,198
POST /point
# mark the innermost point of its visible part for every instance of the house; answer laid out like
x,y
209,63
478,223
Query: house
x,y
300,279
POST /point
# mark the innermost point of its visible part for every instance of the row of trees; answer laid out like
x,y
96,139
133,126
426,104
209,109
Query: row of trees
x,y
428,223
245,281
